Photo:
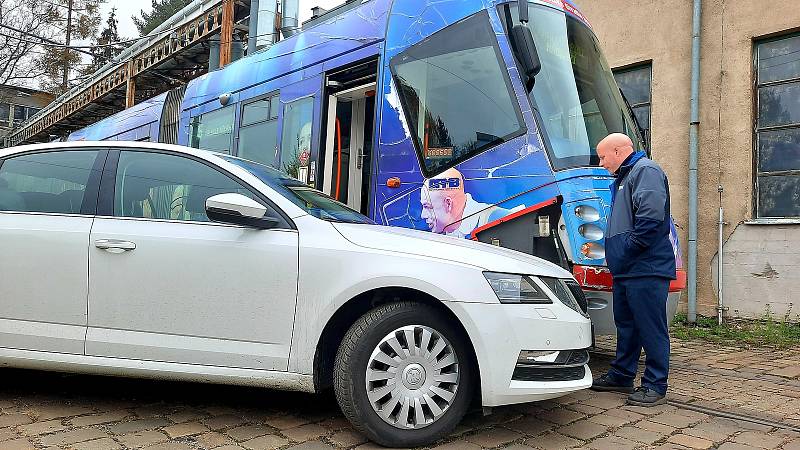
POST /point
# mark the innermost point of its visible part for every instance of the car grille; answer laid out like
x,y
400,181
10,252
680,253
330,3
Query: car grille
x,y
539,373
568,366
577,357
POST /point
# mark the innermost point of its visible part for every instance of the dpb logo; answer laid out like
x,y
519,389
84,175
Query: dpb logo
x,y
444,183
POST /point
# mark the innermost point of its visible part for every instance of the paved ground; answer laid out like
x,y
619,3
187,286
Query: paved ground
x,y
44,410
764,383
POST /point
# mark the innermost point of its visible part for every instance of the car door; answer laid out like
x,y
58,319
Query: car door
x,y
47,204
166,284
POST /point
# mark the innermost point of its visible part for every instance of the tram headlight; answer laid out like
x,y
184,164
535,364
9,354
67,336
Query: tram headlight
x,y
593,250
591,232
587,213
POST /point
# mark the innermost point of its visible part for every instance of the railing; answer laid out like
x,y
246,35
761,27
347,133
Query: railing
x,y
162,45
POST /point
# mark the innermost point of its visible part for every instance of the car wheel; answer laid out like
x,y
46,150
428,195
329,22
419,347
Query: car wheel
x,y
403,375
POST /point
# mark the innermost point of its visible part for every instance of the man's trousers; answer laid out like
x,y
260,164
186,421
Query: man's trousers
x,y
640,313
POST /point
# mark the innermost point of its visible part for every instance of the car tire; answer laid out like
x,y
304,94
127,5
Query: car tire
x,y
417,394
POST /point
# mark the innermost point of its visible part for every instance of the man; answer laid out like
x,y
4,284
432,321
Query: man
x,y
640,257
448,208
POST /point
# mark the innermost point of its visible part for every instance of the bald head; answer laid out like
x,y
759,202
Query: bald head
x,y
613,150
443,201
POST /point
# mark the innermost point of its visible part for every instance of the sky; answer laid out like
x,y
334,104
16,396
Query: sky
x,y
128,8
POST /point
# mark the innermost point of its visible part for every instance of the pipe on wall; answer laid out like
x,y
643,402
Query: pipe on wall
x,y
252,27
213,54
720,303
694,125
290,10
265,32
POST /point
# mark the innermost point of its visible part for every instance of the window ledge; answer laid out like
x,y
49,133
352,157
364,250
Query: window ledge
x,y
787,221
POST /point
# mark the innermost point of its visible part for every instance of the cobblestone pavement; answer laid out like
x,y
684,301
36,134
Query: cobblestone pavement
x,y
45,410
762,382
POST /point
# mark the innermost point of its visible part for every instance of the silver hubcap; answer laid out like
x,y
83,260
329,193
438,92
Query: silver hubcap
x,y
412,377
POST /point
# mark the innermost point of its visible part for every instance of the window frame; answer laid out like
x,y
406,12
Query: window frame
x,y
197,119
91,194
757,129
649,103
284,107
239,124
107,196
6,121
418,148
13,116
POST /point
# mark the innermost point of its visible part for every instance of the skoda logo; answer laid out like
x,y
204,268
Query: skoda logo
x,y
414,376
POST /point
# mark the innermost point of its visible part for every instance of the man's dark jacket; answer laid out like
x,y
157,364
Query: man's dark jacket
x,y
637,238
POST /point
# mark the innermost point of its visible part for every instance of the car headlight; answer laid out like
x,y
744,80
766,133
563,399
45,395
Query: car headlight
x,y
512,288
563,293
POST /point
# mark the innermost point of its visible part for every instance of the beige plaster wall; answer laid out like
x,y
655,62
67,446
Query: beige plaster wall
x,y
660,31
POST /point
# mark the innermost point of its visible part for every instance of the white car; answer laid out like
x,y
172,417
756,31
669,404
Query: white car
x,y
150,260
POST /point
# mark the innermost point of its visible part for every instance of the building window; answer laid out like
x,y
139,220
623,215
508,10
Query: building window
x,y
635,84
19,114
777,130
5,110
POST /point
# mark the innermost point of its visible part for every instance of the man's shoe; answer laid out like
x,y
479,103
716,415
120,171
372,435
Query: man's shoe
x,y
604,383
646,397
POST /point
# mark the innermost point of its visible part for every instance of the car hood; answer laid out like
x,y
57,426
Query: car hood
x,y
423,243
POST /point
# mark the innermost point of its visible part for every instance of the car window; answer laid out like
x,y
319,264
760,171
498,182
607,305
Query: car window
x,y
169,187
49,182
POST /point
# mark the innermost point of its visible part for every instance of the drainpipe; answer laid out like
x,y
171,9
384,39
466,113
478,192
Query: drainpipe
x,y
720,303
694,125
252,28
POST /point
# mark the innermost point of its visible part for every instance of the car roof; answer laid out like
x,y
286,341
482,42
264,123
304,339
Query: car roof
x,y
118,145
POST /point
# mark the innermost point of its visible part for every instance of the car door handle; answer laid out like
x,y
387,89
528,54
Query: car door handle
x,y
114,245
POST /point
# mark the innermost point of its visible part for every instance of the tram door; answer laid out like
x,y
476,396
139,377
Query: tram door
x,y
348,146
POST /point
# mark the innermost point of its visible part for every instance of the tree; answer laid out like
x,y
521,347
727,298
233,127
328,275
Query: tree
x,y
71,19
24,25
162,10
104,50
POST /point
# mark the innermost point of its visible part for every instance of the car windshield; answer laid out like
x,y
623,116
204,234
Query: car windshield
x,y
310,200
575,94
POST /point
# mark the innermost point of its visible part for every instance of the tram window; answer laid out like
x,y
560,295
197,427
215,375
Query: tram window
x,y
213,130
258,134
440,82
296,138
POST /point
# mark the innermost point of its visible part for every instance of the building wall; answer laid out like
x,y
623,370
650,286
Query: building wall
x,y
659,31
11,97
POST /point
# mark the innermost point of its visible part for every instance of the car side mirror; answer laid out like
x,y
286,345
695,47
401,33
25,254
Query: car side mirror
x,y
525,49
237,209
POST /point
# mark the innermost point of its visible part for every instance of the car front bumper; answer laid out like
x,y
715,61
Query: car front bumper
x,y
499,332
